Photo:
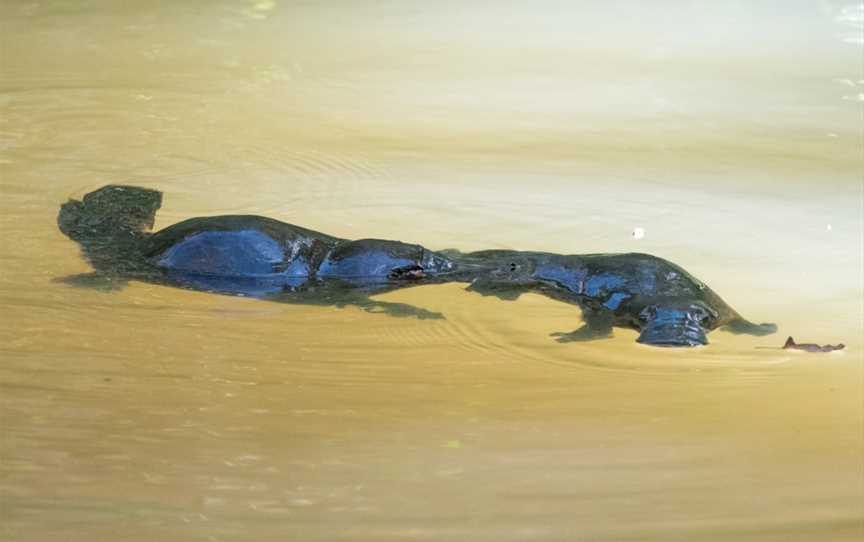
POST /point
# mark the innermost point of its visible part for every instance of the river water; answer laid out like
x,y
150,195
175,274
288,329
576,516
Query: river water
x,y
730,132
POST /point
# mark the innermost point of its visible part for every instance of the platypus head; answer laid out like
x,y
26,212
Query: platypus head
x,y
109,212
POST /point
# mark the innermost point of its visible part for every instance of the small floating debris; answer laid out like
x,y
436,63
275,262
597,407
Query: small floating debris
x,y
638,233
811,347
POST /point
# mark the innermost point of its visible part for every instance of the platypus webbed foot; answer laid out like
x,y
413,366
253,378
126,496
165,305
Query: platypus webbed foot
x,y
583,334
741,326
95,281
401,310
598,325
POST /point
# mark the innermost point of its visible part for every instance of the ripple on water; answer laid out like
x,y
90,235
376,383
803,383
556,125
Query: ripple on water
x,y
519,332
488,331
84,138
621,354
274,182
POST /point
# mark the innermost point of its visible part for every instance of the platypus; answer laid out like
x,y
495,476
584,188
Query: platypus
x,y
261,257
665,303
244,255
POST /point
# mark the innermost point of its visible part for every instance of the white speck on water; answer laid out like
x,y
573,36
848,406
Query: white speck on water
x,y
263,5
828,227
638,233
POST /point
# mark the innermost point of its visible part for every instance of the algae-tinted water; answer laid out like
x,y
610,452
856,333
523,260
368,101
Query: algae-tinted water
x,y
731,134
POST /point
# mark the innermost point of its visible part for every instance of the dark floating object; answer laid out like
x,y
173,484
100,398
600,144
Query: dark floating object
x,y
811,347
260,257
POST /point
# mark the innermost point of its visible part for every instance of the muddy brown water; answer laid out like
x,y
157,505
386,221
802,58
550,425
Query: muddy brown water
x,y
730,132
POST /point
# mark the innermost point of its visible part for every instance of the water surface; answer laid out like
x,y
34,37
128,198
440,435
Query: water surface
x,y
732,134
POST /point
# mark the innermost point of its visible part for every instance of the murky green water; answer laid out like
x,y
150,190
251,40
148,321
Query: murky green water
x,y
732,134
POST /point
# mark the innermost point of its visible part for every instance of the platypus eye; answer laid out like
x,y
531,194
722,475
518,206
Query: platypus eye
x,y
700,313
647,314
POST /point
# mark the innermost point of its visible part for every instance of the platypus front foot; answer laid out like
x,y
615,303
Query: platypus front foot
x,y
95,281
584,333
402,310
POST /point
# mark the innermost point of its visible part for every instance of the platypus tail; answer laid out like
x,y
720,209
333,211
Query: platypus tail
x,y
742,326
111,211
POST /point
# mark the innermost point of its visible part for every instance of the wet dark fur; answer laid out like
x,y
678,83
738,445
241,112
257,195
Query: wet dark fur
x,y
667,305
